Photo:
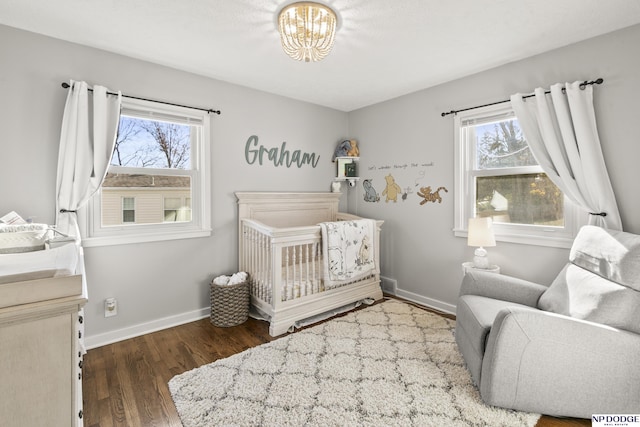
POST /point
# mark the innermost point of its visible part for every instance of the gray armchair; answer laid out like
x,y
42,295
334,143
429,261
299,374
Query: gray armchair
x,y
570,349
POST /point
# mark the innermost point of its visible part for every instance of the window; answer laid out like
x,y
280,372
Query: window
x,y
158,183
497,176
128,209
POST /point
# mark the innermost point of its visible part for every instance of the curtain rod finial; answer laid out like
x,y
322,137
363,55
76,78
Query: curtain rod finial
x,y
65,85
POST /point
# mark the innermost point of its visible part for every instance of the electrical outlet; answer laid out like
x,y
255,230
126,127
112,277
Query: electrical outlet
x,y
110,307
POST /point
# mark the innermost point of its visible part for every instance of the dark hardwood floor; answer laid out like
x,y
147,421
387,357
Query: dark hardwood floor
x,y
125,383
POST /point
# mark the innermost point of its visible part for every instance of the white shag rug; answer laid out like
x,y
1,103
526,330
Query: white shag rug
x,y
391,364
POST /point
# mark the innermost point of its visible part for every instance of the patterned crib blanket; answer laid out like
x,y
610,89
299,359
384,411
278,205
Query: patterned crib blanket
x,y
348,248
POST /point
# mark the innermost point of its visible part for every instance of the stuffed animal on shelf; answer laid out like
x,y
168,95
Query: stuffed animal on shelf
x,y
354,151
346,148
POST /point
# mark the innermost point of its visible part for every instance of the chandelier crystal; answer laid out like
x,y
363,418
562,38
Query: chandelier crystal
x,y
307,30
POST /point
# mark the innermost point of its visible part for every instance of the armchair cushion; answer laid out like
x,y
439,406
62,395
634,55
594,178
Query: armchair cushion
x,y
601,281
614,255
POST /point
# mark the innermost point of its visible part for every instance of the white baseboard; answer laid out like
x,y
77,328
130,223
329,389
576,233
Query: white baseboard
x,y
389,285
428,302
93,341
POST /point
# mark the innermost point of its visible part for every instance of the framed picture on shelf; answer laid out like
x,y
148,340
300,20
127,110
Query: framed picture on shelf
x,y
350,169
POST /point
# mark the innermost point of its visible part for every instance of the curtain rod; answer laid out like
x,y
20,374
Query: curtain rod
x,y
208,110
582,86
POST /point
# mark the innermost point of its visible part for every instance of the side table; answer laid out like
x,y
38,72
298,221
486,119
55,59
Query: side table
x,y
466,266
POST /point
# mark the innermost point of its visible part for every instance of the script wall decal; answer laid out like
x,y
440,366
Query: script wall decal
x,y
279,156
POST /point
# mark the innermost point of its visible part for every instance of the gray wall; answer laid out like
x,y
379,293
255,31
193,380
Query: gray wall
x,y
161,283
419,249
155,283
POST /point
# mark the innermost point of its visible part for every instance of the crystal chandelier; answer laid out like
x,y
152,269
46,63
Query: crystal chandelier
x,y
307,30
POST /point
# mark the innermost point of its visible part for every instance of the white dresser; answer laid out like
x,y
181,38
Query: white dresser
x,y
41,352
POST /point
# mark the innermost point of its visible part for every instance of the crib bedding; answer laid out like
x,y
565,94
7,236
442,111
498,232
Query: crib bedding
x,y
349,251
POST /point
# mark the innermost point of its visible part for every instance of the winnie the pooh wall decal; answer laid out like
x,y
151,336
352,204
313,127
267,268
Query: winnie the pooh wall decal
x,y
429,196
392,189
370,193
279,157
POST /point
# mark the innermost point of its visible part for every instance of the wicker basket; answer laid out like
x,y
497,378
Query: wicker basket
x,y
229,304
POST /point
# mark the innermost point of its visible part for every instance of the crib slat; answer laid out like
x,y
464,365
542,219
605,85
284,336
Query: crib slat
x,y
260,266
316,268
304,282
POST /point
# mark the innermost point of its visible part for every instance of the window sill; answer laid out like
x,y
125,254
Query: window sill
x,y
90,242
548,241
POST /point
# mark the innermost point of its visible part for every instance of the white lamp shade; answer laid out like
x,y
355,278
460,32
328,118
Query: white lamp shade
x,y
480,232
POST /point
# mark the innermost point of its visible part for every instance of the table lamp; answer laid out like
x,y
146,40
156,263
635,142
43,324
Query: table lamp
x,y
480,234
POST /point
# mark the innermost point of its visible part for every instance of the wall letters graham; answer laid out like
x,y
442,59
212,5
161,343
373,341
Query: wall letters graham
x,y
279,156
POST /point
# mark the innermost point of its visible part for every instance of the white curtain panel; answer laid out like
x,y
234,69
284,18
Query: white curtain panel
x,y
562,134
87,141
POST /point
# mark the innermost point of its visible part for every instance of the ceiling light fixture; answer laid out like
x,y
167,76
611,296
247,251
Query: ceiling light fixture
x,y
307,30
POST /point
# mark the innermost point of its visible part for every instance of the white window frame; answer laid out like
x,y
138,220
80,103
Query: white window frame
x,y
89,217
465,197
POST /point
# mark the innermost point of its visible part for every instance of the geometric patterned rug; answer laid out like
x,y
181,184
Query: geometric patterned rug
x,y
391,364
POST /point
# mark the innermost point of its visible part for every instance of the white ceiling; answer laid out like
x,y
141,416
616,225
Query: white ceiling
x,y
383,48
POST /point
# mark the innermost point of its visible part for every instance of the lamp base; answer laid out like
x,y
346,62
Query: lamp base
x,y
480,259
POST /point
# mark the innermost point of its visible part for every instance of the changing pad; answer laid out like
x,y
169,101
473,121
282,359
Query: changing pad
x,y
22,237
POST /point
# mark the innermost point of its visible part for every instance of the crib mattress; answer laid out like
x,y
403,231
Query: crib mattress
x,y
295,284
303,279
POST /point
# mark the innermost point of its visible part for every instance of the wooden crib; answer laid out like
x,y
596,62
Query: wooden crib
x,y
279,245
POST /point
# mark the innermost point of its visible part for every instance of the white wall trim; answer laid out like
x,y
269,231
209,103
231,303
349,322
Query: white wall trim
x,y
93,341
428,302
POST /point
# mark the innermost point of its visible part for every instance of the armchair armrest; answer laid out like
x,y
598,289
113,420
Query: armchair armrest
x,y
502,287
539,361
